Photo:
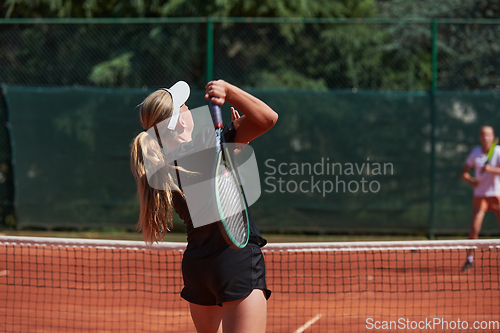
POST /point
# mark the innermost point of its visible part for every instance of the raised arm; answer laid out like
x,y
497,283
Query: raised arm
x,y
257,117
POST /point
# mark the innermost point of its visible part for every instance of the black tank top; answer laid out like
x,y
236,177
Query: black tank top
x,y
206,239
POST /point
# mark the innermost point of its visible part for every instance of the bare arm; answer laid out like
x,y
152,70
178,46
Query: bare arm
x,y
492,169
257,117
466,177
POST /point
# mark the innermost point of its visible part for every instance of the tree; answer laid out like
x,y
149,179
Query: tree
x,y
468,52
185,8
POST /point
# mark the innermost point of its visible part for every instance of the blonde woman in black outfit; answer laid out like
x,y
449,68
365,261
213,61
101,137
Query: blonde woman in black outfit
x,y
226,288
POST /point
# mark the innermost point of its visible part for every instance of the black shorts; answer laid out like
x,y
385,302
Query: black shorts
x,y
224,276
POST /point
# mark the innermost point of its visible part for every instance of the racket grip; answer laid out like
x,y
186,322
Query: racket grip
x,y
216,114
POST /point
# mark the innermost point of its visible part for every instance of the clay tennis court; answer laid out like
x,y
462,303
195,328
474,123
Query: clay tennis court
x,y
50,285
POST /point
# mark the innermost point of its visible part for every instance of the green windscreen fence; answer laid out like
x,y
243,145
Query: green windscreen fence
x,y
6,177
336,161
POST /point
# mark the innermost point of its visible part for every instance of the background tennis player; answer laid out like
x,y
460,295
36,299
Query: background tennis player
x,y
486,182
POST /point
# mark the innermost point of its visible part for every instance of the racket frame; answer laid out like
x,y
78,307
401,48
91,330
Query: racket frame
x,y
490,153
492,149
223,156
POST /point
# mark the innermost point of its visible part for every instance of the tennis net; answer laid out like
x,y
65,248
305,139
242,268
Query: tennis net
x,y
75,285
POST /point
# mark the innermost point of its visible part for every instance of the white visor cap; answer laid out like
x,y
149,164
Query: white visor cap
x,y
180,94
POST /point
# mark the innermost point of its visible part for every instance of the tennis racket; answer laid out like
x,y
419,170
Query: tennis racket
x,y
490,153
229,195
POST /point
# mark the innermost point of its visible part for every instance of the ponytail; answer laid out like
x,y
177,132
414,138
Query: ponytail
x,y
156,206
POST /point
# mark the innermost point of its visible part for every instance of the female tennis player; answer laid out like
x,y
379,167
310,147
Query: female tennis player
x,y
486,183
225,287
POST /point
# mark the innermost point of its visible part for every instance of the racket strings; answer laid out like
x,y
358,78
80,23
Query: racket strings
x,y
232,207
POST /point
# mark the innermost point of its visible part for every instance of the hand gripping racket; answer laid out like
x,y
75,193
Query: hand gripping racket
x,y
229,195
490,153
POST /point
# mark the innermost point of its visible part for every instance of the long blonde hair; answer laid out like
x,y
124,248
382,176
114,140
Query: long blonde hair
x,y
156,206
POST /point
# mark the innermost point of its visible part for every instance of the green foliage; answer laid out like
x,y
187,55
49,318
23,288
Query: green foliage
x,y
440,9
109,73
285,79
186,8
292,55
468,53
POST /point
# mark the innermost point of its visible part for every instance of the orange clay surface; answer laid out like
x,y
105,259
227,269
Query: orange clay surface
x,y
73,289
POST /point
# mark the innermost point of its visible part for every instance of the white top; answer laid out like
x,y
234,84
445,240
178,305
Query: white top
x,y
489,183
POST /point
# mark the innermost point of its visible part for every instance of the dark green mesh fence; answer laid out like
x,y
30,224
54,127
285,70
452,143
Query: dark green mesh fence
x,y
71,156
335,161
6,176
469,56
109,55
266,53
366,148
353,95
321,56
